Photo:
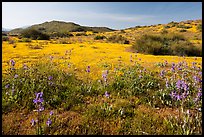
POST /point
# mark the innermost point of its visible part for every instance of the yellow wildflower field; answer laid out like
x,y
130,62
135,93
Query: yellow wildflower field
x,y
99,56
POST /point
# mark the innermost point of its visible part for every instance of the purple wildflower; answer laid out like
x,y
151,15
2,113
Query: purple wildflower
x,y
25,67
104,75
178,84
167,83
51,113
15,76
38,98
49,122
88,69
12,62
50,83
200,73
173,94
41,108
32,122
7,86
199,94
50,78
106,94
162,73
173,69
178,97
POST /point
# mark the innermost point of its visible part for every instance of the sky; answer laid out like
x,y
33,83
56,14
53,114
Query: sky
x,y
115,15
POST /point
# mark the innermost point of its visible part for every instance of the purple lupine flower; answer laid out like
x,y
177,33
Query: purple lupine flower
x,y
199,94
173,94
88,69
38,98
25,67
178,84
197,79
179,68
51,113
200,73
185,87
178,97
184,95
32,122
49,122
140,76
12,62
50,78
162,73
200,89
167,83
194,63
104,75
106,94
173,69
41,108
7,86
50,83
16,76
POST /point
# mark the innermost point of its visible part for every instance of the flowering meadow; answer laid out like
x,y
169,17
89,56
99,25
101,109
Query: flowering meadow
x,y
98,88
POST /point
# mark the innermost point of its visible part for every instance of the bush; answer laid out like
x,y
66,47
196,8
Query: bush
x,y
166,44
81,34
183,30
118,39
99,37
199,27
24,40
5,38
61,35
34,34
184,27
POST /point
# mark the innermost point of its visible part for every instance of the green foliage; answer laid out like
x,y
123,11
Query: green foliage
x,y
118,39
34,34
81,34
184,26
61,35
5,38
98,37
183,30
166,44
199,27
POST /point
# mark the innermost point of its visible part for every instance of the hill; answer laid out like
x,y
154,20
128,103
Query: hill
x,y
191,29
61,27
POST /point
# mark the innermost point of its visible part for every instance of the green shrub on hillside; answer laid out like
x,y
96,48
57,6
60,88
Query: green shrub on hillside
x,y
98,37
34,34
166,44
118,39
5,38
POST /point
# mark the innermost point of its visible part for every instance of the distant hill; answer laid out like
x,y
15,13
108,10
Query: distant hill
x,y
5,30
61,27
191,29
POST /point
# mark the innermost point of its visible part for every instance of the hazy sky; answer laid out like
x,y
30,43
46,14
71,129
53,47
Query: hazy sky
x,y
116,15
